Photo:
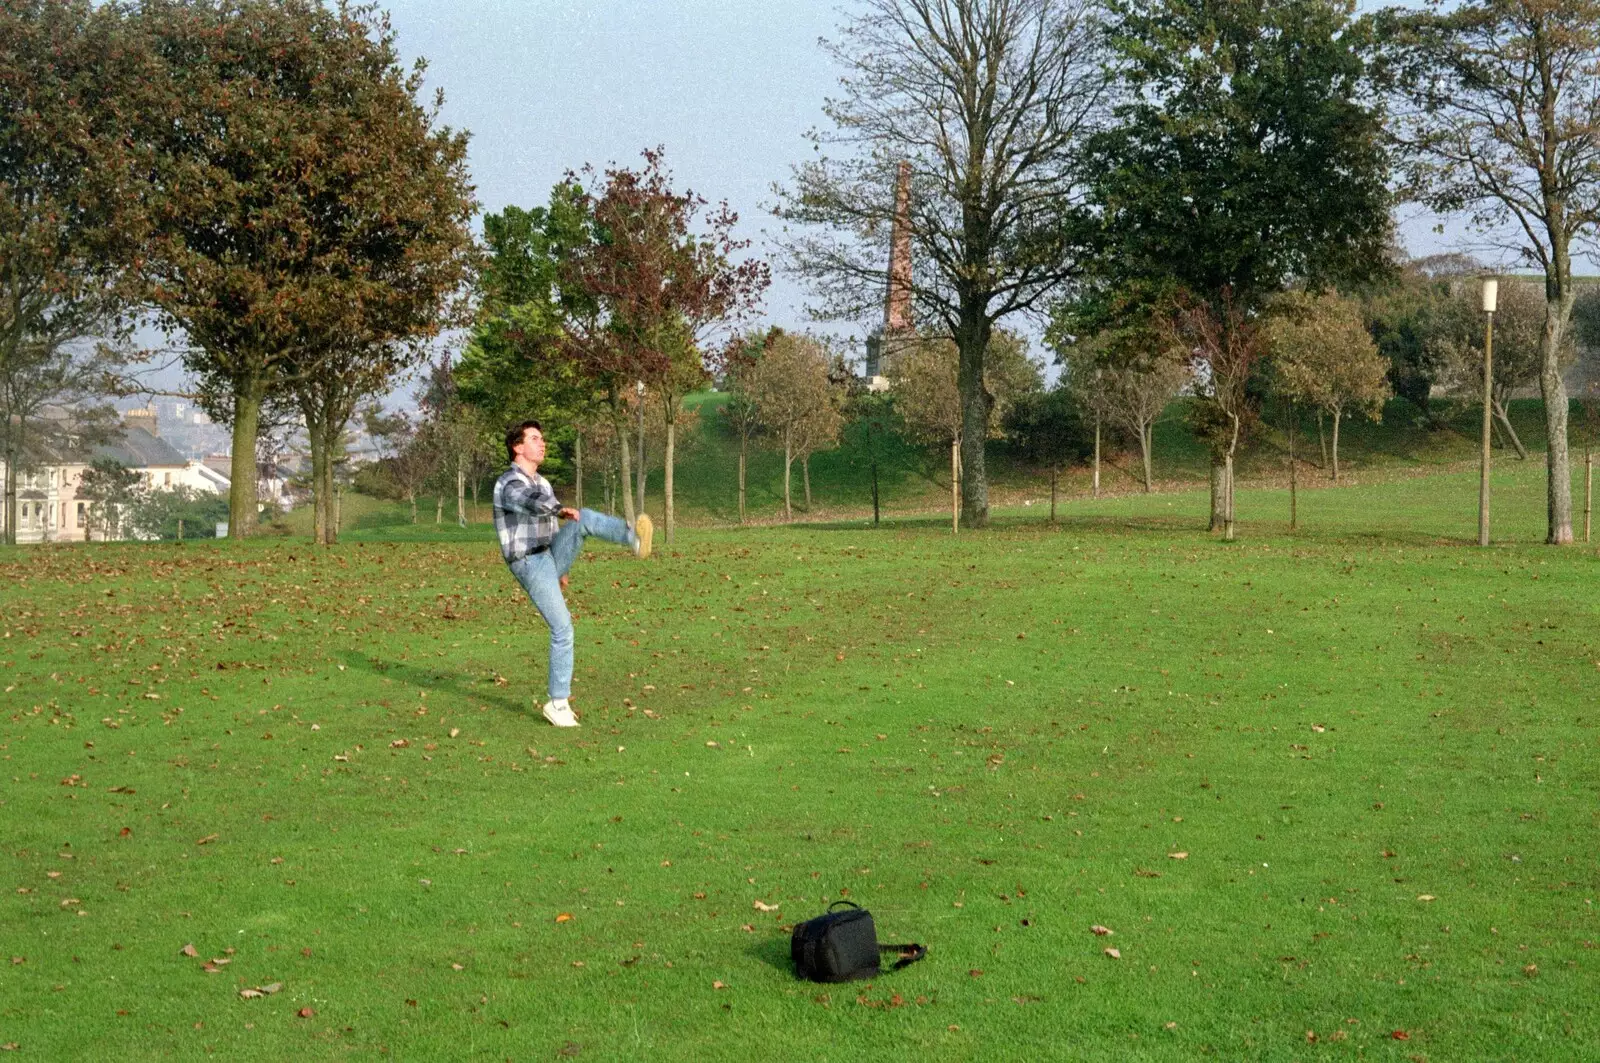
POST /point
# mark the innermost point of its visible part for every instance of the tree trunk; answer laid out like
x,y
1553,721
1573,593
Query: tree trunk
x,y
641,452
9,517
1097,455
1322,441
1558,312
411,496
1144,445
1294,477
1227,475
438,511
672,445
955,486
1511,433
319,480
1218,513
1338,415
577,462
744,447
1588,491
805,477
788,462
461,494
1055,476
620,424
972,342
874,488
338,513
242,494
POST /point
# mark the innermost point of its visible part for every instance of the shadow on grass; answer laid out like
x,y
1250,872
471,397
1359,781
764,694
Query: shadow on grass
x,y
433,679
774,952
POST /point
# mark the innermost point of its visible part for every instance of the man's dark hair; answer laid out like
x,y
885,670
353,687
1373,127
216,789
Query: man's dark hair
x,y
514,437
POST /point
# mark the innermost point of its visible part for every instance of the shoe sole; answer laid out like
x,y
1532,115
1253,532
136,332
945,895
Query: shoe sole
x,y
645,529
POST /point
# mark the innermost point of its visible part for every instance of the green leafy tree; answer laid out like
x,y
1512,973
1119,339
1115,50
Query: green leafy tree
x,y
159,514
67,223
112,491
1245,154
1325,358
308,215
1047,428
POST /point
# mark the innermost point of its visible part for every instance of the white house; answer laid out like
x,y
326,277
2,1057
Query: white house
x,y
48,507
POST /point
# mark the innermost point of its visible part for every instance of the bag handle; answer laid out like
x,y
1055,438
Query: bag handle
x,y
909,954
836,904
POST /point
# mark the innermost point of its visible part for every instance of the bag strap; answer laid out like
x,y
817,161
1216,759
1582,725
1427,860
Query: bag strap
x,y
836,904
909,954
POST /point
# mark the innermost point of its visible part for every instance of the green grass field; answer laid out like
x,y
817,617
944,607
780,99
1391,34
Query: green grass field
x,y
1335,792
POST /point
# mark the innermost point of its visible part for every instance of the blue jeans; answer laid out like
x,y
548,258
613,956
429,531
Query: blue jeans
x,y
540,575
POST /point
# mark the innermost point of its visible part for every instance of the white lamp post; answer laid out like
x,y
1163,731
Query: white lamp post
x,y
1491,295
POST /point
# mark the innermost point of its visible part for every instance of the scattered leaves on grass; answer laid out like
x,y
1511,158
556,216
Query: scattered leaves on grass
x,y
719,985
1177,856
975,973
457,967
260,991
761,907
305,1013
1114,954
1142,872
189,951
1425,897
207,840
564,917
1101,931
455,732
1531,971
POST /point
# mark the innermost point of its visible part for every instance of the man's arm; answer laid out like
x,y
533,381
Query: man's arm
x,y
527,498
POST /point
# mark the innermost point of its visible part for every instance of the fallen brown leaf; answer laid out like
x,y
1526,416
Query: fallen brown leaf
x,y
251,994
305,1013
760,907
1101,931
207,840
189,951
1426,897
719,985
1177,856
564,917
1114,954
1400,1035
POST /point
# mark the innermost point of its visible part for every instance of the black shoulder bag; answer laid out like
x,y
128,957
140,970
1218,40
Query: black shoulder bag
x,y
843,946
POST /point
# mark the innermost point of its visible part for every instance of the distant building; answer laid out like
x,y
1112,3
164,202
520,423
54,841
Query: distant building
x,y
48,506
898,323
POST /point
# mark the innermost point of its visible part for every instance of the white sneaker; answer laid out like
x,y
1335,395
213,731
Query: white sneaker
x,y
560,714
643,531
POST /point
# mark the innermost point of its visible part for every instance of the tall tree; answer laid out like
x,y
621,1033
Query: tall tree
x,y
1505,125
300,192
658,281
1325,358
67,222
1244,155
736,365
989,101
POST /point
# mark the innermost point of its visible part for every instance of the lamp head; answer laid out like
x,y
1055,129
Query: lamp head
x,y
1491,294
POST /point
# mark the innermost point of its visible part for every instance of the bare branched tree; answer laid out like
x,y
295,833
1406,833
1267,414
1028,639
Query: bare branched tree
x,y
1505,126
989,101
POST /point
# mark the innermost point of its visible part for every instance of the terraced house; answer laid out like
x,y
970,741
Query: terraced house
x,y
48,506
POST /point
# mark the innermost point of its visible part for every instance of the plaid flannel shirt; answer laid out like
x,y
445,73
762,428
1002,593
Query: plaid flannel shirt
x,y
525,510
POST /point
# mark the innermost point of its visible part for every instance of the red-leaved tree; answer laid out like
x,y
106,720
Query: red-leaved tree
x,y
653,287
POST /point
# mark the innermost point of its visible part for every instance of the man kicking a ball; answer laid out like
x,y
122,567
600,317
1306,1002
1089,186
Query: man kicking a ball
x,y
540,550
